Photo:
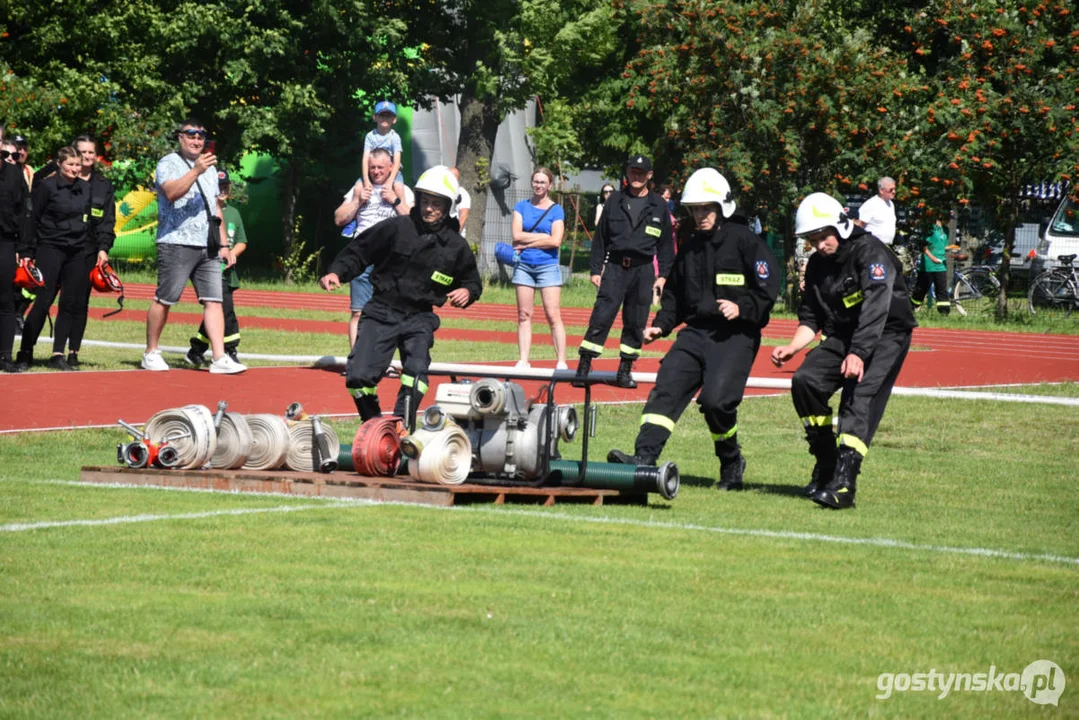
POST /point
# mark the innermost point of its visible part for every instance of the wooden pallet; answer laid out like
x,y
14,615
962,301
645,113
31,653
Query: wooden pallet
x,y
350,485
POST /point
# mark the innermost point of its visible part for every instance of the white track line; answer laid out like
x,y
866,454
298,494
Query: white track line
x,y
337,503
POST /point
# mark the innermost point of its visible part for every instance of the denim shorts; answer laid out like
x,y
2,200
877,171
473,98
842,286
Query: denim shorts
x,y
537,276
360,289
176,264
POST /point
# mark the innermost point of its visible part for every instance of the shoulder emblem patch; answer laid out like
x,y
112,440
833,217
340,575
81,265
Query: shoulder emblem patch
x,y
763,271
877,271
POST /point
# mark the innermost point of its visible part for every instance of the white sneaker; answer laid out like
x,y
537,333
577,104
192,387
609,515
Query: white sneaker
x,y
561,366
152,360
522,365
225,365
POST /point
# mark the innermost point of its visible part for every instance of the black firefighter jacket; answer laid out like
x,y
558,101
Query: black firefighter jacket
x,y
728,263
641,237
14,207
857,294
414,268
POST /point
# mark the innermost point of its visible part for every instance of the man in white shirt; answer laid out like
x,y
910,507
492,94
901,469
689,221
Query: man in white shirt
x,y
877,214
463,205
368,207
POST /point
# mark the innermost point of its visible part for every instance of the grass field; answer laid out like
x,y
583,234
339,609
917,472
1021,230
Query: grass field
x,y
963,553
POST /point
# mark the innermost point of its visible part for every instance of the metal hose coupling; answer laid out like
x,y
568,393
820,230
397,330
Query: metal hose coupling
x,y
168,456
323,450
665,478
136,455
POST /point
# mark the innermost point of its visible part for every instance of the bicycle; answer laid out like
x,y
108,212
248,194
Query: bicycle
x,y
1056,289
973,290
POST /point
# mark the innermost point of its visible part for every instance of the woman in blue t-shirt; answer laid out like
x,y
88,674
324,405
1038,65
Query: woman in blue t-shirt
x,y
538,225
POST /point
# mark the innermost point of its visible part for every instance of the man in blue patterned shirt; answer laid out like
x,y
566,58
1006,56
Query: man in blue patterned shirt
x,y
190,245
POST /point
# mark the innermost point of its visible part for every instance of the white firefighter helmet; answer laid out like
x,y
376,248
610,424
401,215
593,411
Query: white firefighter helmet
x,y
707,186
820,210
438,180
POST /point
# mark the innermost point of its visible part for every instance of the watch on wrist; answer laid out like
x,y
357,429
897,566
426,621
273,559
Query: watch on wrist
x,y
397,202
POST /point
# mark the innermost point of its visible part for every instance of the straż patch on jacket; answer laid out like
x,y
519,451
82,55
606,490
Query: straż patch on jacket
x,y
877,271
763,271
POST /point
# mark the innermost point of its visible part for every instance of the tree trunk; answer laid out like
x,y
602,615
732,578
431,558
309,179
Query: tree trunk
x,y
475,146
1007,220
290,196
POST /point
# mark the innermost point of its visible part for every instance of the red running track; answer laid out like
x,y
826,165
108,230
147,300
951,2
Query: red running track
x,y
54,400
1035,347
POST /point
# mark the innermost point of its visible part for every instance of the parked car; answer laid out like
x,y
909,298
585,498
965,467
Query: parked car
x,y
1059,236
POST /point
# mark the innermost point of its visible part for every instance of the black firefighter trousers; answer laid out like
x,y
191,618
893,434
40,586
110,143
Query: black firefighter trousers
x,y
861,405
200,342
413,335
629,288
714,361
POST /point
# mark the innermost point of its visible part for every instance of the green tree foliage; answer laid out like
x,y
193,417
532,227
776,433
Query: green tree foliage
x,y
772,93
498,54
277,76
1002,109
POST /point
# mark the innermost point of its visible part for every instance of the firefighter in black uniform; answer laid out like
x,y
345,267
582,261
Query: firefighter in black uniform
x,y
420,261
634,228
65,249
102,231
14,231
723,286
856,296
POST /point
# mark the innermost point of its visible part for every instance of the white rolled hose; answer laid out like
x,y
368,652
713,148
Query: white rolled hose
x,y
442,456
189,430
234,440
269,442
300,454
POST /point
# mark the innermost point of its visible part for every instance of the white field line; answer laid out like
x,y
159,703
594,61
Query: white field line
x,y
337,503
127,519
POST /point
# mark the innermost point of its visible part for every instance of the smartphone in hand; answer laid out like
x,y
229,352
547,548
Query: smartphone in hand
x,y
210,147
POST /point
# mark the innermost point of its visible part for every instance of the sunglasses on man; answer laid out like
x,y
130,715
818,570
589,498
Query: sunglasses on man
x,y
5,154
194,133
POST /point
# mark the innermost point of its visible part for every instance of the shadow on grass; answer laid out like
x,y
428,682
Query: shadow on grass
x,y
797,491
697,481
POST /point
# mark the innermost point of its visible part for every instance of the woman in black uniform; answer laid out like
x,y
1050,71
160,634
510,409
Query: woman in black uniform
x,y
65,253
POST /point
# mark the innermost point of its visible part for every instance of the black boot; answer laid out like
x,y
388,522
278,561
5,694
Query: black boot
x,y
625,374
23,360
822,446
839,493
731,471
195,356
367,406
6,365
57,362
73,360
621,458
584,367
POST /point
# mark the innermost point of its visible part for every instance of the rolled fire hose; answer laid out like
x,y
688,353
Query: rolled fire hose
x,y
300,455
197,422
441,456
269,442
234,440
376,449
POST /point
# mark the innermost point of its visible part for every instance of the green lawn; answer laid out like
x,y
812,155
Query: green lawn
x,y
712,605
